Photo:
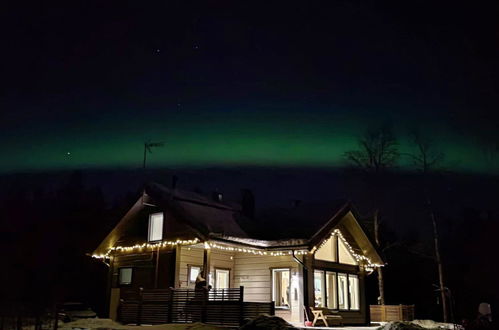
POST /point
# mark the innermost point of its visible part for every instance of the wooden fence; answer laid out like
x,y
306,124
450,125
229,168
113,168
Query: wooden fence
x,y
387,313
217,306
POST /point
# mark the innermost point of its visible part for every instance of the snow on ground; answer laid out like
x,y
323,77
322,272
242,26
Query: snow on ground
x,y
108,324
416,325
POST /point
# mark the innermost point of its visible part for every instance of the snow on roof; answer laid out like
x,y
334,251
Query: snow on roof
x,y
264,243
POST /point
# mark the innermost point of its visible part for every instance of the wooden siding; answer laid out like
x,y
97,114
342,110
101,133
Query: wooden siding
x,y
194,256
188,256
254,273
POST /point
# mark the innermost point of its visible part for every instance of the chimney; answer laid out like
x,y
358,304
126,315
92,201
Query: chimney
x,y
248,203
174,181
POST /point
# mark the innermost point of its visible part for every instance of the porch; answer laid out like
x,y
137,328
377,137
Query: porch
x,y
265,278
221,307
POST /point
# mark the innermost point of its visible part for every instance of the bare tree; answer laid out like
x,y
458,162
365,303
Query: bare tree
x,y
377,152
428,160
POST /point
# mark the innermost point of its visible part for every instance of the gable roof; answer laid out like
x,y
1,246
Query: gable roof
x,y
300,227
202,216
201,213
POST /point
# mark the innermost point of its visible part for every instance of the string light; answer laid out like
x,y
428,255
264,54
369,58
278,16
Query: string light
x,y
368,264
255,251
359,257
145,246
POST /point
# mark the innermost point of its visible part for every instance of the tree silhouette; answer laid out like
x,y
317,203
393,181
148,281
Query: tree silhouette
x,y
377,153
428,161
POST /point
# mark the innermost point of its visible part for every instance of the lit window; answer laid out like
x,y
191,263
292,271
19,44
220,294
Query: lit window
x,y
280,287
325,289
222,278
125,276
320,300
193,273
345,255
331,290
353,283
155,227
327,252
336,290
342,291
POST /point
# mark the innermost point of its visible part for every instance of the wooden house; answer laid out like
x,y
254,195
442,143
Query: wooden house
x,y
306,255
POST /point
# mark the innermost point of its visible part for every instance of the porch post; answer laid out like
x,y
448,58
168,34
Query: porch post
x,y
364,307
206,263
308,282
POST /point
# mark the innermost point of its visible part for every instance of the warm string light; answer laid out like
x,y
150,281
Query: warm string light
x,y
145,246
359,257
209,245
254,251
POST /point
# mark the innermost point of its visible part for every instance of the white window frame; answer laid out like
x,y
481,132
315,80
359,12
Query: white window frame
x,y
273,293
189,273
120,282
222,270
150,230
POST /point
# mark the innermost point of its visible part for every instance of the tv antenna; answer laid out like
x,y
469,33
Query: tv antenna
x,y
148,149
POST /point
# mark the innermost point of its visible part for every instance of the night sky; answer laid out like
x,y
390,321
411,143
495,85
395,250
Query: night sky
x,y
222,83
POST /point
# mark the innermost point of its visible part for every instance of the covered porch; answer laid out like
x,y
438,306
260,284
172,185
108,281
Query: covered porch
x,y
266,277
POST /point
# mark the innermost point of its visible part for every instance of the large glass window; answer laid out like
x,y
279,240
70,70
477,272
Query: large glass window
x,y
280,287
331,290
345,255
327,252
353,282
155,227
336,290
319,289
343,291
222,278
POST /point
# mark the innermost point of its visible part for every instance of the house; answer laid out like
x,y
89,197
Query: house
x,y
306,255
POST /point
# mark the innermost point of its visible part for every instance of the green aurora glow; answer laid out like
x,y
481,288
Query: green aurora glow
x,y
213,139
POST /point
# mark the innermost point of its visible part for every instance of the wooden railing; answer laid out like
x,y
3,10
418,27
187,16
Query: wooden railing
x,y
387,313
217,306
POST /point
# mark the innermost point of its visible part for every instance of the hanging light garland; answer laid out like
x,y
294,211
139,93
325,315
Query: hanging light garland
x,y
359,257
145,246
369,265
253,251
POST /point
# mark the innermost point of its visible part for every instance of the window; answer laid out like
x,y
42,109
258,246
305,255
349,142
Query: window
x,y
343,291
280,287
155,227
331,290
327,252
125,276
193,273
222,278
325,289
345,255
336,290
319,288
353,281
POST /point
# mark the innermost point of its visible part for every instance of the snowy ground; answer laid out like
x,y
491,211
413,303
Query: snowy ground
x,y
108,324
